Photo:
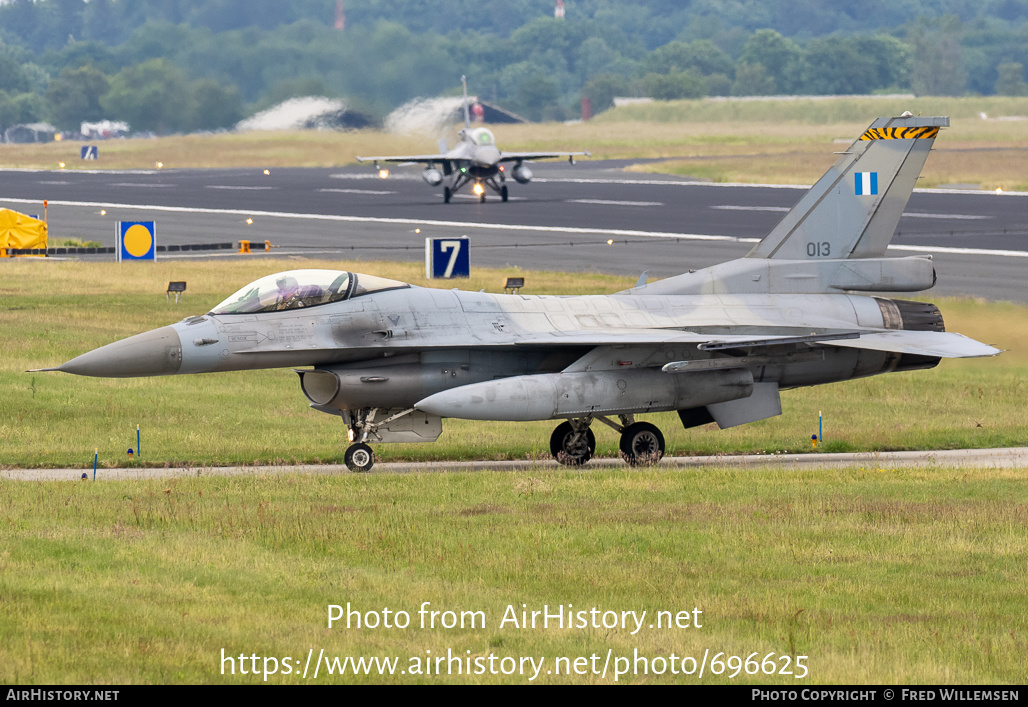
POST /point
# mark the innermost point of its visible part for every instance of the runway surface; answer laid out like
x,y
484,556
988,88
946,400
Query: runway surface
x,y
1016,457
563,220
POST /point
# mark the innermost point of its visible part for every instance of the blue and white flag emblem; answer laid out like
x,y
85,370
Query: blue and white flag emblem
x,y
866,183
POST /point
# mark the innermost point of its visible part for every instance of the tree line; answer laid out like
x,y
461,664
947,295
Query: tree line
x,y
187,65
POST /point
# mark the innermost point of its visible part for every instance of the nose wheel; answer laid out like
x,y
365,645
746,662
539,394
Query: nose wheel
x,y
359,458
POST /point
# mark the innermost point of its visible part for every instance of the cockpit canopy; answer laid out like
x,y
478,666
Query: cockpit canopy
x,y
302,288
482,136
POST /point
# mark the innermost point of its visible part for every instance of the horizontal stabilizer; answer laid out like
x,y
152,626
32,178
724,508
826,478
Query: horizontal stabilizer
x,y
940,344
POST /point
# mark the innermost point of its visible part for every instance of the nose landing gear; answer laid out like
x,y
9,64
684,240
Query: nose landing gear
x,y
359,457
363,427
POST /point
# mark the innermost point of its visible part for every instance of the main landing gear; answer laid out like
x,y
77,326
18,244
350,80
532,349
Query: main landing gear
x,y
573,443
479,187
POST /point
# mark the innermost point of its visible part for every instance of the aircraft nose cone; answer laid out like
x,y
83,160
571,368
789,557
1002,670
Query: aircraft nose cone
x,y
487,156
154,353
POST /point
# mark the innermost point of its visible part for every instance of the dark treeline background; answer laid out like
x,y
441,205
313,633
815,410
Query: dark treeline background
x,y
186,65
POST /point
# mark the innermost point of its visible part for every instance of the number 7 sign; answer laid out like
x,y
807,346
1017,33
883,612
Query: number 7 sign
x,y
447,258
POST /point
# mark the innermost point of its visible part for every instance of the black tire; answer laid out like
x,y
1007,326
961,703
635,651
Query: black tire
x,y
446,195
359,458
642,443
503,193
564,452
481,198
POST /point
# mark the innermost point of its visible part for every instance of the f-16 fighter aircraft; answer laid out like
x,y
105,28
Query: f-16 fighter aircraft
x,y
804,307
475,160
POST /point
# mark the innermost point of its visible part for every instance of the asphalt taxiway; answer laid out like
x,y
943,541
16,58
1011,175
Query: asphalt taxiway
x,y
1016,457
593,216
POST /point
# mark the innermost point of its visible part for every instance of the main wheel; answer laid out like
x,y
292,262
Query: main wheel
x,y
359,457
642,443
481,198
503,193
446,195
572,448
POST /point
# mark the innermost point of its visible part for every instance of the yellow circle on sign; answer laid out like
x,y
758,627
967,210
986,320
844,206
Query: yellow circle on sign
x,y
137,240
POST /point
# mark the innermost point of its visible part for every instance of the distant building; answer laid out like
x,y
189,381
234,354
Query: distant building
x,y
30,132
103,129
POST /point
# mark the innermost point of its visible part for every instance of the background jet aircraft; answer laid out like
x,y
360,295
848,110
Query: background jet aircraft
x,y
804,307
475,160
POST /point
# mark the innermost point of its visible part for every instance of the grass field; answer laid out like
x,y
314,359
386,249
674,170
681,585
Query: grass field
x,y
54,311
781,142
877,575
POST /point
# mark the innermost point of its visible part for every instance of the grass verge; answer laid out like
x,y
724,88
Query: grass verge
x,y
877,575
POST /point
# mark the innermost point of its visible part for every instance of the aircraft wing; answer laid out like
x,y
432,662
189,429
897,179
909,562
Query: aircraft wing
x,y
519,156
938,344
407,158
706,341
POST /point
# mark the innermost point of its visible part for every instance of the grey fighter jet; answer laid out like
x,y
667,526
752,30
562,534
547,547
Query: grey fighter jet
x,y
806,306
475,160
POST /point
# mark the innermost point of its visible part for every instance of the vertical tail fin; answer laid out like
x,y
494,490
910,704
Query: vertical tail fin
x,y
853,210
467,111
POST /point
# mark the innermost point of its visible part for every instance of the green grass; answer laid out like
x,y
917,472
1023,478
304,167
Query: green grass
x,y
54,311
878,575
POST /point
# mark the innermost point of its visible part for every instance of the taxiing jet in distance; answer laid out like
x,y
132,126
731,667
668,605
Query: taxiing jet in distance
x,y
475,160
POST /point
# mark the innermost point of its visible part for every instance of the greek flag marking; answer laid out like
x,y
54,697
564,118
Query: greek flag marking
x,y
866,183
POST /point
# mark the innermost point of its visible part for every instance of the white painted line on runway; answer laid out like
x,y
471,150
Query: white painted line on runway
x,y
667,183
946,217
906,214
78,171
731,207
142,186
483,226
607,202
230,188
408,176
357,191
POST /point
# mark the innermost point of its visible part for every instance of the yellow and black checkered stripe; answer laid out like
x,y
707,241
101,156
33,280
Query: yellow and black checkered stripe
x,y
900,133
